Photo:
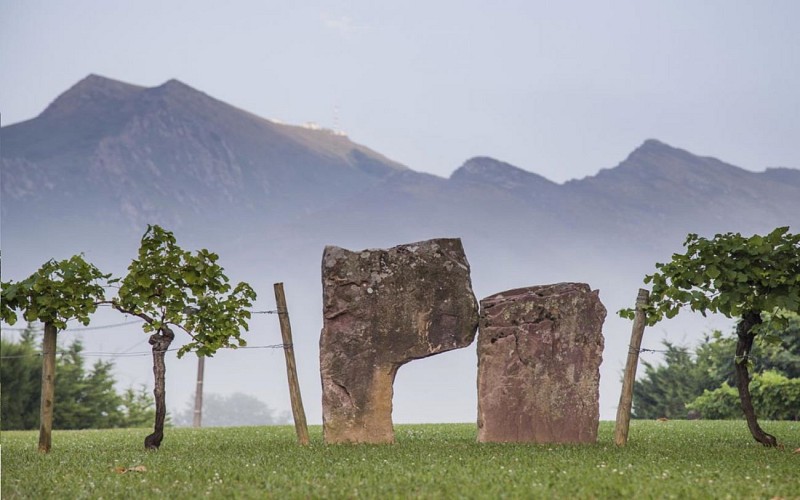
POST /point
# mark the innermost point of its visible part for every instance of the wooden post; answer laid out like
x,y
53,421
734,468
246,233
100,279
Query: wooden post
x,y
48,387
626,396
298,413
197,421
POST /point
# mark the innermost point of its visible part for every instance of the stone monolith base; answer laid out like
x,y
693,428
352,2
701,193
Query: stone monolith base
x,y
382,309
539,354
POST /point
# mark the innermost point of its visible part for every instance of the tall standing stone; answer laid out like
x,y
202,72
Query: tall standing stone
x,y
382,309
539,355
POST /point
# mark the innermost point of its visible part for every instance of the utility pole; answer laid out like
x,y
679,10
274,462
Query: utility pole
x,y
198,393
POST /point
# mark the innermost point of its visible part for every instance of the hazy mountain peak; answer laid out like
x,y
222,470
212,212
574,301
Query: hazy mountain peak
x,y
93,91
657,159
486,170
145,148
482,163
654,143
174,86
653,147
674,183
174,82
98,83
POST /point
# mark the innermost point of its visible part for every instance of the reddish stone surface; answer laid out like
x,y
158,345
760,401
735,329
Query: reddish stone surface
x,y
382,309
539,355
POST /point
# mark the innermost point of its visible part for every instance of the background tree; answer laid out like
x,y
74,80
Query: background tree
x,y
738,277
780,350
138,407
702,380
57,292
20,380
775,396
86,399
665,389
169,287
231,410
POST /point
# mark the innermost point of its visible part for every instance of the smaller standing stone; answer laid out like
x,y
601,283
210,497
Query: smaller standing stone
x,y
539,355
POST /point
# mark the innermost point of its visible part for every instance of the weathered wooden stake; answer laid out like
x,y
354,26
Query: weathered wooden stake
x,y
48,387
626,397
299,414
197,421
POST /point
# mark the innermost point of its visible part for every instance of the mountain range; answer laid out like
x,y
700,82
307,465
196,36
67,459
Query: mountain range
x,y
105,158
172,153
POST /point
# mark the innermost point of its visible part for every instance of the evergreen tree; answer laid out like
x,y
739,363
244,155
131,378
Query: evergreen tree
x,y
84,399
138,407
20,380
665,389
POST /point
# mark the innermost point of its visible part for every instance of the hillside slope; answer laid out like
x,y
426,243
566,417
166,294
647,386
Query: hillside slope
x,y
172,153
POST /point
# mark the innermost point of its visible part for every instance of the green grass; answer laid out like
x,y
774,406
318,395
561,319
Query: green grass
x,y
675,459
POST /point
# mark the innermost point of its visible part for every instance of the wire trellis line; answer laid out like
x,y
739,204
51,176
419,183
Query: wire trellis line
x,y
643,350
117,325
143,353
84,328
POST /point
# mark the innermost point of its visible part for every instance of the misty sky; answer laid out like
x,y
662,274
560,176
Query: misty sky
x,y
559,88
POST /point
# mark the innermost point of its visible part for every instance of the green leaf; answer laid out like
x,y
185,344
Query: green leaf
x,y
144,281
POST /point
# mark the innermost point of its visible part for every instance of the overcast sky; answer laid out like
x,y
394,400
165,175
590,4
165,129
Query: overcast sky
x,y
559,88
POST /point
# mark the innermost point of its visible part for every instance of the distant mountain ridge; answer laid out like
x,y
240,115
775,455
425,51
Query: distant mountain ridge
x,y
668,186
106,158
173,149
129,154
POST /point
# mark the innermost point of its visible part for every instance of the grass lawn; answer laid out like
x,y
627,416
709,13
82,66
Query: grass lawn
x,y
678,459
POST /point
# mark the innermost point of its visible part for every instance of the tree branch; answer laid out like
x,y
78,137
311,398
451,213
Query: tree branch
x,y
121,309
185,330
